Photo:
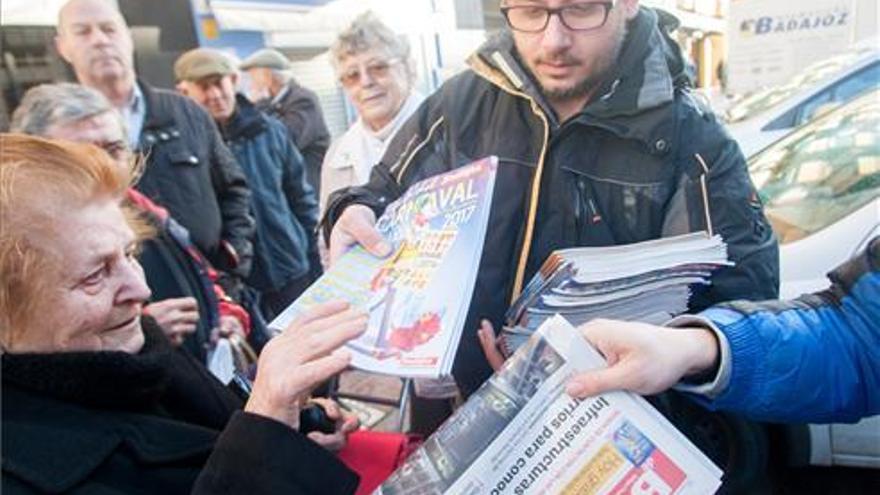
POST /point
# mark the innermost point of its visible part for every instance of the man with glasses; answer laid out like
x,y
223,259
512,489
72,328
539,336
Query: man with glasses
x,y
589,108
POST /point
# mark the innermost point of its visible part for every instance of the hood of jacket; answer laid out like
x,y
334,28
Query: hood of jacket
x,y
649,69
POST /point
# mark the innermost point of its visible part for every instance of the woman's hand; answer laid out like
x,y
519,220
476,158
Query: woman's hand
x,y
345,424
306,354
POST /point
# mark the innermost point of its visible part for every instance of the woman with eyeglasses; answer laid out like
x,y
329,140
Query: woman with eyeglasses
x,y
377,73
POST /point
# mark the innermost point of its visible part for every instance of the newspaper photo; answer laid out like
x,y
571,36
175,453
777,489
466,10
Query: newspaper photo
x,y
417,297
520,433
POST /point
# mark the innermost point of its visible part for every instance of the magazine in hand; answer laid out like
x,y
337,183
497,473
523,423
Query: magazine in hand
x,y
520,433
417,298
646,281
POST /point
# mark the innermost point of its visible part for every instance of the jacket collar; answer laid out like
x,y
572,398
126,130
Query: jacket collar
x,y
55,445
160,114
246,123
649,69
287,94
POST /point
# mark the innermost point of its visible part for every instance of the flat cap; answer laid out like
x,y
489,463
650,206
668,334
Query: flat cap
x,y
266,58
202,62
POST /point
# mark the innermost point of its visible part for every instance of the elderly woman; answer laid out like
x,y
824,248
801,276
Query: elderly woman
x,y
186,300
94,399
375,69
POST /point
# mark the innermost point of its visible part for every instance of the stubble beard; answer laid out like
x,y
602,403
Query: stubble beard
x,y
587,85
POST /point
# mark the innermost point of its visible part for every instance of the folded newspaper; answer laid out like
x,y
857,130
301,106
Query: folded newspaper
x,y
417,297
520,433
646,281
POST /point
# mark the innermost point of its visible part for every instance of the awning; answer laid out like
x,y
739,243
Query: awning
x,y
292,21
30,12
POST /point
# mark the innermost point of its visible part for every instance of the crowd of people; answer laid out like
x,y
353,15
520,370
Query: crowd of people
x,y
142,226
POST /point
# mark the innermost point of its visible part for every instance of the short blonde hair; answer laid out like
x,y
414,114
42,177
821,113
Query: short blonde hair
x,y
40,178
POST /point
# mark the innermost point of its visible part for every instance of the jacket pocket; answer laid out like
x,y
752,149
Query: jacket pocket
x,y
608,210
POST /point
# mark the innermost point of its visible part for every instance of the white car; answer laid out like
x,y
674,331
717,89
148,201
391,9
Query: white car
x,y
821,191
767,115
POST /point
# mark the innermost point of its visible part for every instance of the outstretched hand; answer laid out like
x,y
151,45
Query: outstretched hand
x,y
642,358
306,354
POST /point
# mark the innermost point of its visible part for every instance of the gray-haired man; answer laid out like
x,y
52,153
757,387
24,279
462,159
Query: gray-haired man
x,y
280,96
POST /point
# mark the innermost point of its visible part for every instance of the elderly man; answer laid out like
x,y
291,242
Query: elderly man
x,y
185,300
94,400
587,105
278,94
284,204
189,170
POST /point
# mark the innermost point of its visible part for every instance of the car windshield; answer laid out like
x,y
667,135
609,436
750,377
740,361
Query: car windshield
x,y
765,99
823,172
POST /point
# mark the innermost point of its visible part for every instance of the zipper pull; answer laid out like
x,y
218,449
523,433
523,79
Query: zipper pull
x,y
595,217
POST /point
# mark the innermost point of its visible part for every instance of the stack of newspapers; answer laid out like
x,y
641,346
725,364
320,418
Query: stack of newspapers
x,y
648,281
417,297
520,433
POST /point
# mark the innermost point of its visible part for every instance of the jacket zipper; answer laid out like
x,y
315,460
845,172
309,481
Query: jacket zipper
x,y
536,184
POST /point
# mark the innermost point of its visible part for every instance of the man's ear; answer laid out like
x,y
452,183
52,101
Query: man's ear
x,y
61,46
182,88
234,80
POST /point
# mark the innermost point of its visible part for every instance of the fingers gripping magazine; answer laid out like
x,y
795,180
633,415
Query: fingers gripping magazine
x,y
417,297
520,433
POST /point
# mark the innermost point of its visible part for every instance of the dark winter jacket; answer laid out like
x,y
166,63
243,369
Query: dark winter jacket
x,y
300,111
644,159
152,423
173,268
190,172
283,204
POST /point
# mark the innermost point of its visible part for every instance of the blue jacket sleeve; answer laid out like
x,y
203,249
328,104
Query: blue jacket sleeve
x,y
813,359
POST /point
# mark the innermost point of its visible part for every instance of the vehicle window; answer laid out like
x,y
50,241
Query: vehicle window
x,y
810,107
822,172
766,98
867,78
844,91
784,121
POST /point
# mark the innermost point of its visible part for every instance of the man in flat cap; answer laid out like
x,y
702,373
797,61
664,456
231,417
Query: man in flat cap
x,y
284,204
278,94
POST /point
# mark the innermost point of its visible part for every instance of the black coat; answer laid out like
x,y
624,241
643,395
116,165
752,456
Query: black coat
x,y
190,172
104,423
623,170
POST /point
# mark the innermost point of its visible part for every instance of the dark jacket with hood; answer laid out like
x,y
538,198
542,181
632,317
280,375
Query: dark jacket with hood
x,y
155,422
299,110
642,160
284,205
191,173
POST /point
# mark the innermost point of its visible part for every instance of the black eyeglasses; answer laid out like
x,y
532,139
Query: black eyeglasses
x,y
584,16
